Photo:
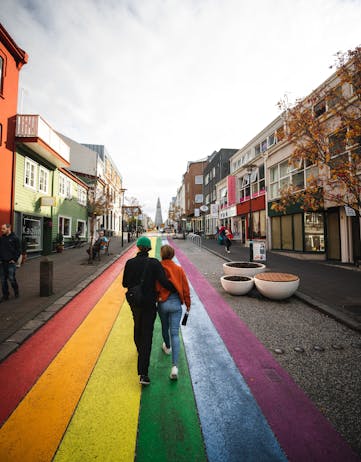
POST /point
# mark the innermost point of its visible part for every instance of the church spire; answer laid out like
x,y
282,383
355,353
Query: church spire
x,y
158,215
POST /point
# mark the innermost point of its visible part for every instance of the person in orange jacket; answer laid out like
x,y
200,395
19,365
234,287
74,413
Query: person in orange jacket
x,y
170,306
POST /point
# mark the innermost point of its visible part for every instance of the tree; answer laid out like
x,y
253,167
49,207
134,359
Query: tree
x,y
99,203
324,130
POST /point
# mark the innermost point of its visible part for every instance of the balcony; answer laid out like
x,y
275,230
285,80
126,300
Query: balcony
x,y
34,132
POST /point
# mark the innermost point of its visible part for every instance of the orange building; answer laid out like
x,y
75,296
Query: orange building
x,y
12,58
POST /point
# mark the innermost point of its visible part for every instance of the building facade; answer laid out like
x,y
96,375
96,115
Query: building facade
x,y
12,58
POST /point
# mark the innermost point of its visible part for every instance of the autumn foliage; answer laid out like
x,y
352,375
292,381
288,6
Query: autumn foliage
x,y
325,132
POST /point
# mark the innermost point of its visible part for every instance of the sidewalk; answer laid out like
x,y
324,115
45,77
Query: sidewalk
x,y
334,289
20,318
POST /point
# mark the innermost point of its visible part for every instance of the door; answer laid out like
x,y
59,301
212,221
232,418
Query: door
x,y
333,235
356,242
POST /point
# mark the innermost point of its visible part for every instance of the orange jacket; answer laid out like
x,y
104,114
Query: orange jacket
x,y
178,277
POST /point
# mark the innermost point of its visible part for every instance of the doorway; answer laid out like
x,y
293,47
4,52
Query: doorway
x,y
333,235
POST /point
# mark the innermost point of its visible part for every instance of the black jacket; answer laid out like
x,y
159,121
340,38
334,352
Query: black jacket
x,y
133,272
9,247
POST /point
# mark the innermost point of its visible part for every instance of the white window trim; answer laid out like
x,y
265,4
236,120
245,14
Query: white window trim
x,y
70,225
35,165
47,173
81,221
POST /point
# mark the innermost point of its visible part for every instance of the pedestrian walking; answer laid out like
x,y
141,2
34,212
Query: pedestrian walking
x,y
10,251
228,236
142,272
170,306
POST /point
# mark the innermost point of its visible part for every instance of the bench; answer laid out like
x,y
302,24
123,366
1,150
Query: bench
x,y
276,286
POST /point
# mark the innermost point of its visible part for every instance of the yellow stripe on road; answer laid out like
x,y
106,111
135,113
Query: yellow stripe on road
x,y
104,426
33,432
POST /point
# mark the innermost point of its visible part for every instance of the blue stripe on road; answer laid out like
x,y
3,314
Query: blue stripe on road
x,y
233,425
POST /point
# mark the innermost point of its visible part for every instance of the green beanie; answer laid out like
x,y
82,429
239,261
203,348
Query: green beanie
x,y
144,242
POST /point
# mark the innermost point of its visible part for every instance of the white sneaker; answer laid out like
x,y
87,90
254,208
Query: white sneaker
x,y
174,373
166,350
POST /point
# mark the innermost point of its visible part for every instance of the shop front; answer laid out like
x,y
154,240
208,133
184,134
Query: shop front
x,y
251,218
298,232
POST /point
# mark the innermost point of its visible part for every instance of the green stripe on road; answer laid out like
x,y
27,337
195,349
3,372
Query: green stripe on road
x,y
169,428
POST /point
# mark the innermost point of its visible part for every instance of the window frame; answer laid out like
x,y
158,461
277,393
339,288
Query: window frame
x,y
33,164
47,173
61,227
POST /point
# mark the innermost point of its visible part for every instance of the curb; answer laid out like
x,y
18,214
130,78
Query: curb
x,y
333,312
12,343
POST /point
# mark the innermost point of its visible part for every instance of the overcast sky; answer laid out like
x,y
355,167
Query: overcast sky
x,y
164,82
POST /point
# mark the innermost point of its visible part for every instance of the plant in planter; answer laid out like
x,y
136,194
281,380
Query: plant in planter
x,y
59,243
243,268
237,285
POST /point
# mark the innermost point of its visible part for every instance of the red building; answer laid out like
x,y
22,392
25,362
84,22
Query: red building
x,y
12,58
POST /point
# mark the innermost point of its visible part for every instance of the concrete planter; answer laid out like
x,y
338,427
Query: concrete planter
x,y
277,286
243,268
237,285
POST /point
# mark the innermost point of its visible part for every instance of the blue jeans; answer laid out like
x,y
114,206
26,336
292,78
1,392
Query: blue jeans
x,y
170,313
7,271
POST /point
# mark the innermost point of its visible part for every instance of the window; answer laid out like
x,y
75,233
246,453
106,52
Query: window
x,y
30,174
257,149
65,186
314,234
81,195
1,73
271,139
335,96
320,108
64,227
43,180
62,185
81,228
337,143
264,145
283,174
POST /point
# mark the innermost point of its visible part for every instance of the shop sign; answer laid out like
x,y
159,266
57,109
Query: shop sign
x,y
48,201
228,213
214,210
350,212
259,251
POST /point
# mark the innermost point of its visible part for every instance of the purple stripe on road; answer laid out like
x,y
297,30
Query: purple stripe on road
x,y
303,432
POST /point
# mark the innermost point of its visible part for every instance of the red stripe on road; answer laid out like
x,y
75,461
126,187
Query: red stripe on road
x,y
20,371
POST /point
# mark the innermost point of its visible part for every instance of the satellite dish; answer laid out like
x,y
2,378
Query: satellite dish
x,y
203,208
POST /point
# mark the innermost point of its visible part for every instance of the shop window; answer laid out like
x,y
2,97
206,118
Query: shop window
x,y
297,232
286,232
314,232
276,232
31,233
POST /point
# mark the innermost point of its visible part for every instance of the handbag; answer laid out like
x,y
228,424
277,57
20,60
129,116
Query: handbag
x,y
135,294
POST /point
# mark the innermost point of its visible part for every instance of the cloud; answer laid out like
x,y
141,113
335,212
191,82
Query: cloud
x,y
164,82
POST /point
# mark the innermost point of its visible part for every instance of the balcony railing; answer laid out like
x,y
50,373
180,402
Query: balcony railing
x,y
33,126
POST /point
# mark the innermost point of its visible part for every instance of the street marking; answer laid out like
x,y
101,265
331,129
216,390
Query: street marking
x,y
36,426
104,425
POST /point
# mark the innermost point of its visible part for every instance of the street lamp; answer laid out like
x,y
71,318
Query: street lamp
x,y
122,191
250,224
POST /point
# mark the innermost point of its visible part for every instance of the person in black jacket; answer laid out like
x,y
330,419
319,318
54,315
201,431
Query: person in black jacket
x,y
149,270
10,251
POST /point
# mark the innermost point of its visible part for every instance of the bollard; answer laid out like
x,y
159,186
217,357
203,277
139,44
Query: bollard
x,y
46,277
